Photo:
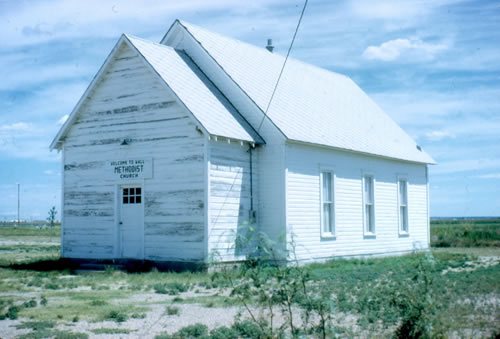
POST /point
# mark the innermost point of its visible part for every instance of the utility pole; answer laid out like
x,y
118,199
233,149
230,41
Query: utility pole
x,y
18,204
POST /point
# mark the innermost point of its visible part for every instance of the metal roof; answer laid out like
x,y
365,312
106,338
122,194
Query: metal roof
x,y
311,104
196,91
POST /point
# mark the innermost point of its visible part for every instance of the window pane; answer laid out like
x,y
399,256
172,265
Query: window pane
x,y
327,186
327,217
125,191
132,200
368,189
403,220
138,199
132,191
138,191
402,192
369,218
125,200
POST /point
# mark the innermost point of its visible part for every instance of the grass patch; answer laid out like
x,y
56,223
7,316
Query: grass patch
x,y
30,231
173,310
56,334
172,288
465,233
36,325
87,305
105,330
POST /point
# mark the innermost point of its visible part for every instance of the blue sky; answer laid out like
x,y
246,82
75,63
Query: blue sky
x,y
433,66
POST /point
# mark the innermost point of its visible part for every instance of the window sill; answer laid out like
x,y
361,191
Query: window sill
x,y
369,235
404,234
328,236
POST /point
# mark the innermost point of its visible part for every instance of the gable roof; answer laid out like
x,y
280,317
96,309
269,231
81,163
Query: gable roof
x,y
311,105
193,89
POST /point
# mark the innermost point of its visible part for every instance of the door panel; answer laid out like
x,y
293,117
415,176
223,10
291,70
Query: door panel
x,y
131,222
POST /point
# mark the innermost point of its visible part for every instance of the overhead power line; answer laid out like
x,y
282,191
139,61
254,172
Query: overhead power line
x,y
283,67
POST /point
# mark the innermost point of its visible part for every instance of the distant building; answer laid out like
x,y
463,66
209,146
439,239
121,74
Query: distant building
x,y
168,153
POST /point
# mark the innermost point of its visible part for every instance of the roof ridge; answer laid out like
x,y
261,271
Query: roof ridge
x,y
128,36
272,54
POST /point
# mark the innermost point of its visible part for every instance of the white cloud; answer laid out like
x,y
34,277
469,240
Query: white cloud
x,y
439,135
63,119
489,176
15,127
35,22
457,166
396,10
48,172
23,140
386,9
410,49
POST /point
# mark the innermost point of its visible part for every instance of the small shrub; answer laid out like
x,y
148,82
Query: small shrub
x,y
12,312
192,331
44,301
98,302
76,319
52,286
248,329
37,282
173,310
177,300
60,316
173,288
117,316
210,304
138,315
30,304
224,333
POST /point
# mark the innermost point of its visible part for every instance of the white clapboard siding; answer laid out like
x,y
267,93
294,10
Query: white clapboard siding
x,y
130,102
270,156
229,198
303,203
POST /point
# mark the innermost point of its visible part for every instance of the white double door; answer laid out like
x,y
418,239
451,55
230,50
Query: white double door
x,y
131,222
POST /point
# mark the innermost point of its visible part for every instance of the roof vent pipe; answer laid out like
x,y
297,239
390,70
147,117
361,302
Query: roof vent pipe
x,y
270,46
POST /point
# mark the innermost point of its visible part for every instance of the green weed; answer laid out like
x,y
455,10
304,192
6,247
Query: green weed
x,y
110,331
173,310
173,288
117,315
36,325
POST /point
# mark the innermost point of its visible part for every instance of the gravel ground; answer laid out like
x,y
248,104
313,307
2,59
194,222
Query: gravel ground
x,y
5,242
156,321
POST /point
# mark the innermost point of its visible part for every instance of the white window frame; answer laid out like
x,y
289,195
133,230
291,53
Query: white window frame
x,y
406,216
331,233
366,230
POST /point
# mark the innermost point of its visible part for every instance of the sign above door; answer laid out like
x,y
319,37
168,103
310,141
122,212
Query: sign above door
x,y
124,169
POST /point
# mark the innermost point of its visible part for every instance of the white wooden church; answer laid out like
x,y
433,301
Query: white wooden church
x,y
168,154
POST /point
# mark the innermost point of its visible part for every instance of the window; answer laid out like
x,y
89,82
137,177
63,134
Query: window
x,y
327,207
369,208
132,195
403,205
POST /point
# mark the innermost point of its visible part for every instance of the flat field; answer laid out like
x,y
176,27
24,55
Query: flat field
x,y
465,233
453,290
